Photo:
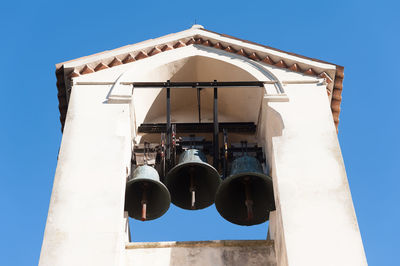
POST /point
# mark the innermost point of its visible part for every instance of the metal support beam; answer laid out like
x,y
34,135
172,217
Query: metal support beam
x,y
256,84
225,155
232,127
199,103
216,129
168,126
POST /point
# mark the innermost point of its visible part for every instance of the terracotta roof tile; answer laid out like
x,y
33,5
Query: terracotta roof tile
x,y
179,44
86,70
218,45
230,49
155,51
128,59
254,56
281,64
100,66
199,41
339,71
337,95
268,60
295,67
338,84
310,72
115,62
141,55
242,53
335,105
166,48
207,43
190,41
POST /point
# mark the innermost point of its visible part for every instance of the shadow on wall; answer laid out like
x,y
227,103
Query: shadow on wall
x,y
270,125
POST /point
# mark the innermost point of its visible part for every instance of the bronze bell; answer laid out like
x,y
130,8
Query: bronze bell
x,y
245,197
193,182
146,198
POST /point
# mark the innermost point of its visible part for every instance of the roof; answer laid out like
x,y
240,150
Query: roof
x,y
197,35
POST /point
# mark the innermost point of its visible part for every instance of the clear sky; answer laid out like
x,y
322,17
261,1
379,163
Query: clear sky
x,y
363,36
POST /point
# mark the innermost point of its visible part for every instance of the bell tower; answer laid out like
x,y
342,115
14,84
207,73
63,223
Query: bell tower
x,y
194,119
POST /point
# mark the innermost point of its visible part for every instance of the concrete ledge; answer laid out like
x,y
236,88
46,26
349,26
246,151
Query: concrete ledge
x,y
212,243
202,253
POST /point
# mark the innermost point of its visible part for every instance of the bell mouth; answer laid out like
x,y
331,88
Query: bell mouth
x,y
157,197
206,181
231,198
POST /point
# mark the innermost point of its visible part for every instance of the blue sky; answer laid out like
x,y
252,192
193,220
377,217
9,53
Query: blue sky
x,y
363,36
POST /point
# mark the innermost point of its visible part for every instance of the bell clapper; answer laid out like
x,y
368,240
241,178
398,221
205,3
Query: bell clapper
x,y
193,199
144,203
248,201
192,188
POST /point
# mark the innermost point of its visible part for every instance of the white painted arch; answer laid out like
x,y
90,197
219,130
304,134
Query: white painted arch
x,y
139,68
194,63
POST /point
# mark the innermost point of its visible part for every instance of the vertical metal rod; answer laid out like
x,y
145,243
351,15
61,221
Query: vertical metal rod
x,y
192,141
146,146
193,199
199,103
173,149
192,189
216,129
248,201
225,161
163,156
168,129
144,204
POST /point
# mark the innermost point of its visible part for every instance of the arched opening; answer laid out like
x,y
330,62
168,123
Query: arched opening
x,y
238,104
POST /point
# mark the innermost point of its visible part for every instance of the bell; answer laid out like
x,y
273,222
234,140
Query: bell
x,y
245,197
193,182
146,197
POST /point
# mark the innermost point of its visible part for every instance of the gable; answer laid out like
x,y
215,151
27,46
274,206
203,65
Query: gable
x,y
333,74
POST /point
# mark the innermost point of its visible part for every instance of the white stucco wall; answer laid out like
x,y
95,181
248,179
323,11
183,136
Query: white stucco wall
x,y
84,224
315,222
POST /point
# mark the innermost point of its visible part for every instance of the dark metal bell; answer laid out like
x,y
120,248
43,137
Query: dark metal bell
x,y
246,197
146,198
193,182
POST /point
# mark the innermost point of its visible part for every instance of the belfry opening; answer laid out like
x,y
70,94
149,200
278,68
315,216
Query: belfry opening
x,y
200,123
